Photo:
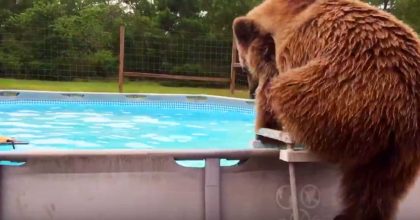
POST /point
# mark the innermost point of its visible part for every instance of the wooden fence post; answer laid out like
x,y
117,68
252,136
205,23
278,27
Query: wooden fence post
x,y
121,60
232,68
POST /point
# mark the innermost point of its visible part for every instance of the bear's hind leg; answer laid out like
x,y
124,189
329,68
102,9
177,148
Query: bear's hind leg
x,y
373,191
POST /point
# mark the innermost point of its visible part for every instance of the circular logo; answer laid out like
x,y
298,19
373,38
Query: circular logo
x,y
283,197
310,196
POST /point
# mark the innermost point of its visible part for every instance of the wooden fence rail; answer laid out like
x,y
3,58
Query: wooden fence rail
x,y
122,74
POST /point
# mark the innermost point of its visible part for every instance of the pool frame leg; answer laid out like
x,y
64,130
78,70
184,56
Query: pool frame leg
x,y
293,188
295,206
212,208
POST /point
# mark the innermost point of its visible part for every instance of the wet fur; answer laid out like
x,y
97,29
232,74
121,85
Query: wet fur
x,y
262,69
349,89
263,55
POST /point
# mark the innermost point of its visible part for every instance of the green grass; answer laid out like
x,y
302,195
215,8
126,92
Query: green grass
x,y
102,86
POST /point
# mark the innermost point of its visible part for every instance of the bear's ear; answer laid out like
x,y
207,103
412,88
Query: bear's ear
x,y
269,52
245,31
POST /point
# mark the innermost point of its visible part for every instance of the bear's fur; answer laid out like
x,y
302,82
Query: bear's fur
x,y
348,87
263,67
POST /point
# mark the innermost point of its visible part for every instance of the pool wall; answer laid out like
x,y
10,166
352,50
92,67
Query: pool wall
x,y
149,184
91,185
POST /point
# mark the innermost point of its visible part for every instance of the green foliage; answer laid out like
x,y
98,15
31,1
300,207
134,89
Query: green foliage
x,y
9,61
406,10
187,68
409,11
73,39
222,12
104,62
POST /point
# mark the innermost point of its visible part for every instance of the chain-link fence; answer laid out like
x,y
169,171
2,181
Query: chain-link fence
x,y
51,56
54,56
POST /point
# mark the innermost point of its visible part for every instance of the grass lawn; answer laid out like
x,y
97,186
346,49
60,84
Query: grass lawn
x,y
101,86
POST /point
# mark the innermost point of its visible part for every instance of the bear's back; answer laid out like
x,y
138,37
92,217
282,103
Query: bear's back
x,y
368,87
350,31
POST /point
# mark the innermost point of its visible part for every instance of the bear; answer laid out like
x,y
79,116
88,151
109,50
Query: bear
x,y
252,85
261,55
347,87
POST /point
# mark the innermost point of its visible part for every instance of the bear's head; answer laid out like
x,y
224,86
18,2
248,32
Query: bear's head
x,y
256,48
257,33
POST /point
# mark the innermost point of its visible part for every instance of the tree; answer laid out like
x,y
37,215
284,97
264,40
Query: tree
x,y
67,39
409,11
406,10
387,5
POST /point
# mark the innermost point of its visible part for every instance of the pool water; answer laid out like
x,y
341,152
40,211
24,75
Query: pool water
x,y
69,125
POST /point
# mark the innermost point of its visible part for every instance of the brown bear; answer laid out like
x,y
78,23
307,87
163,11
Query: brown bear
x,y
348,87
262,69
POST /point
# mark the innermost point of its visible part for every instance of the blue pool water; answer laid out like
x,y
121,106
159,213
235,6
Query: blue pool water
x,y
72,125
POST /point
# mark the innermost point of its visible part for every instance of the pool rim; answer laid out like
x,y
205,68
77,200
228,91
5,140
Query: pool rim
x,y
140,153
168,95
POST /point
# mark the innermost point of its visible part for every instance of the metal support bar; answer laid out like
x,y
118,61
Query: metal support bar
x,y
292,177
293,189
212,189
121,60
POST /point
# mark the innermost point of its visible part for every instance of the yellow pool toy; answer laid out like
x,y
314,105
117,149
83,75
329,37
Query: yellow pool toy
x,y
10,141
6,140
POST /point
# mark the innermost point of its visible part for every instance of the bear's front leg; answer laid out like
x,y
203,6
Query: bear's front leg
x,y
262,115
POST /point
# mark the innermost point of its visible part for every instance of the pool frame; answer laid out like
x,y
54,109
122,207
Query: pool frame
x,y
29,95
149,184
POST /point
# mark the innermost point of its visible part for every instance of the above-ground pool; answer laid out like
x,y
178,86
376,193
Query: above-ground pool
x,y
89,121
117,156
